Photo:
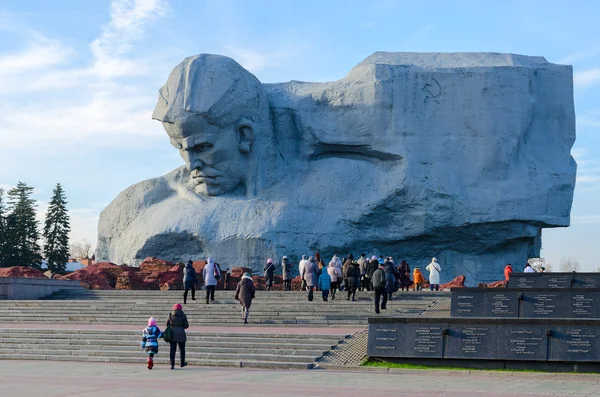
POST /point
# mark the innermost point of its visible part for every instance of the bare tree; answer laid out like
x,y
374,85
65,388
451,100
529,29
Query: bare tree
x,y
569,265
81,250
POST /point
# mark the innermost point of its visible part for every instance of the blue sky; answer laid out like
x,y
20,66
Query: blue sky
x,y
79,79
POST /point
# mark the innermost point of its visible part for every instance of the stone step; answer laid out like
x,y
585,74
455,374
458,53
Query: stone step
x,y
318,340
245,349
192,354
150,306
191,335
161,361
227,322
134,346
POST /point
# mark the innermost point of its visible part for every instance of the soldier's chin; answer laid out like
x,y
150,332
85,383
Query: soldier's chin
x,y
208,189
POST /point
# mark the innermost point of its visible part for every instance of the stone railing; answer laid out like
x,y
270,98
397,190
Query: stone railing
x,y
18,288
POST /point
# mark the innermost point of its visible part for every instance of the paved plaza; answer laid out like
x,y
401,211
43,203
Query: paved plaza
x,y
49,379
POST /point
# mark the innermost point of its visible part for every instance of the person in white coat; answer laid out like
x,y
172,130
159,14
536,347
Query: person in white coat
x,y
528,269
301,267
210,273
335,274
434,269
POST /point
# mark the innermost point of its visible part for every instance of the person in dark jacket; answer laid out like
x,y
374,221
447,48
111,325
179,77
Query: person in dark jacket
x,y
286,273
391,275
190,281
404,272
269,269
379,283
352,276
373,266
347,264
244,293
179,323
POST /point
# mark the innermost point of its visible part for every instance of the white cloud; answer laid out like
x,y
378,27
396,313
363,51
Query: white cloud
x,y
41,52
127,23
83,222
587,78
84,225
79,102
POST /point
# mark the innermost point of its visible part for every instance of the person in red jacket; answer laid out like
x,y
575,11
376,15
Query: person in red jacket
x,y
507,271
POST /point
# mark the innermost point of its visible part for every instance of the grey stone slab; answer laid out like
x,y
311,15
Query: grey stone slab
x,y
575,344
545,304
554,280
518,339
472,341
522,342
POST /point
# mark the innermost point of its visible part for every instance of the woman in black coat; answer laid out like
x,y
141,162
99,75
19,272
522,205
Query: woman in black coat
x,y
353,277
404,272
244,293
179,323
190,281
391,275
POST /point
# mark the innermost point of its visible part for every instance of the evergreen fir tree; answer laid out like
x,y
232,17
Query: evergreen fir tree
x,y
56,232
23,247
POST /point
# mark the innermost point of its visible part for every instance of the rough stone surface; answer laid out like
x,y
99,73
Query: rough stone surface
x,y
495,284
462,156
103,275
21,271
458,282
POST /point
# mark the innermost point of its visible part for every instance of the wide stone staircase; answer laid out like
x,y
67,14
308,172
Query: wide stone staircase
x,y
291,351
105,326
269,308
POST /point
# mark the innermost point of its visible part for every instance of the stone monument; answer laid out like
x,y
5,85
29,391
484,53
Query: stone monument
x,y
461,156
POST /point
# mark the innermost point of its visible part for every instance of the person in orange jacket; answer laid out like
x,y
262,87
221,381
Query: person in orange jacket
x,y
507,271
418,279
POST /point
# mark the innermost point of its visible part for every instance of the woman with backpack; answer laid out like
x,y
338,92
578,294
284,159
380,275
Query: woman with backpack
x,y
269,272
434,270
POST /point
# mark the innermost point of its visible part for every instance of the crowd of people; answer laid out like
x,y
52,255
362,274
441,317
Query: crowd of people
x,y
378,274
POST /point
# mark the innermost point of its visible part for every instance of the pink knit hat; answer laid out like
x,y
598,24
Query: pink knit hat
x,y
151,322
177,306
269,260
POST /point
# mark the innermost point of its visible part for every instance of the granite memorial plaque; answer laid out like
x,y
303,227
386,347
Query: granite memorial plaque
x,y
522,342
519,339
501,303
554,280
468,302
523,280
472,341
384,340
545,304
582,280
584,304
574,344
423,340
